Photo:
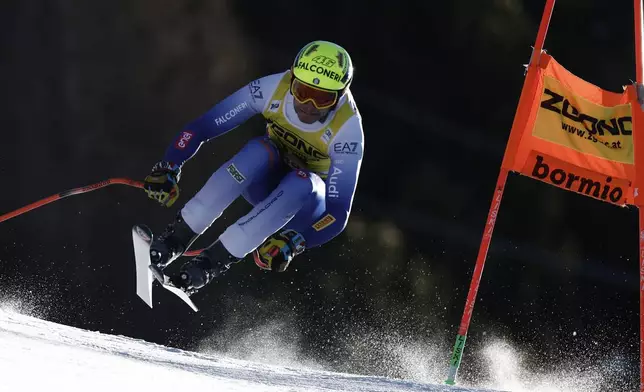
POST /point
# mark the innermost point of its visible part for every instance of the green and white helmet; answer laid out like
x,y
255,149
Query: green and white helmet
x,y
324,65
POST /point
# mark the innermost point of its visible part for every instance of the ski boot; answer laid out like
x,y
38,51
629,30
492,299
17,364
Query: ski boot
x,y
203,268
171,244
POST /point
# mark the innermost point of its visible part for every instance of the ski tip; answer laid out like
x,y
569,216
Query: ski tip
x,y
143,231
185,297
147,303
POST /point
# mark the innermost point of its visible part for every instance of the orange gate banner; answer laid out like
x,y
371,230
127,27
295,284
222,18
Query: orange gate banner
x,y
574,135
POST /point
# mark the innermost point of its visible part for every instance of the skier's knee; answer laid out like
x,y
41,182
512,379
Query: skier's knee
x,y
261,145
306,182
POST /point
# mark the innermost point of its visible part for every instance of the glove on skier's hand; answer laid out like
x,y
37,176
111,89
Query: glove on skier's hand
x,y
278,250
161,184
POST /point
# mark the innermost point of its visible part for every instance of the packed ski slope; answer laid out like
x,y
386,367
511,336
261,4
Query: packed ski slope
x,y
37,355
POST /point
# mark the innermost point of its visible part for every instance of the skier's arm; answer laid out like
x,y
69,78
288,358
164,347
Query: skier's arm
x,y
222,118
346,152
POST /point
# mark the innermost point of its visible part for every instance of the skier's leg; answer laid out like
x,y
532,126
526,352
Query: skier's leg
x,y
259,189
257,158
254,161
296,190
310,213
276,253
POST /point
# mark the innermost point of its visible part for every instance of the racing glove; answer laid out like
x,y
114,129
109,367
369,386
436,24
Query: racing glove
x,y
276,253
162,183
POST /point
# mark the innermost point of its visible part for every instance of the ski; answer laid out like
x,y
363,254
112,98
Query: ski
x,y
165,283
146,273
142,238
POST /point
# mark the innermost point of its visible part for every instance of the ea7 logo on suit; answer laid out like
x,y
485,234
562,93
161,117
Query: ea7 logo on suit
x,y
255,90
346,148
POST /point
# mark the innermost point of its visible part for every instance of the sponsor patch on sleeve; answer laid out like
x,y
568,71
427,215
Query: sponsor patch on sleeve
x,y
183,141
255,90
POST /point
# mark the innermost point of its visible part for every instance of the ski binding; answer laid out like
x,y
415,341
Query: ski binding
x,y
146,273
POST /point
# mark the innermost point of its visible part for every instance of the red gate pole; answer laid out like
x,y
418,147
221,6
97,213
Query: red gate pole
x,y
638,115
641,218
457,353
70,192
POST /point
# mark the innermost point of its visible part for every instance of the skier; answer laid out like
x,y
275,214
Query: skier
x,y
300,177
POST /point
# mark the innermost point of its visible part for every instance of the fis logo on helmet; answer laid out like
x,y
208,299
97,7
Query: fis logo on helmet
x,y
319,70
324,222
230,114
573,182
235,174
333,181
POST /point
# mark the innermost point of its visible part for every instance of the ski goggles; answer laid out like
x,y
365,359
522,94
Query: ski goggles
x,y
321,99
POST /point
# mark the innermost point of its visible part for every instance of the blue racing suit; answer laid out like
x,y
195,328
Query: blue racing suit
x,y
298,176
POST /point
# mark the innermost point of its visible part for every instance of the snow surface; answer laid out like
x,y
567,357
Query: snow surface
x,y
38,355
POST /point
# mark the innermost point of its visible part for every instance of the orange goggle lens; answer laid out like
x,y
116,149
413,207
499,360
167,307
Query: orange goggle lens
x,y
322,99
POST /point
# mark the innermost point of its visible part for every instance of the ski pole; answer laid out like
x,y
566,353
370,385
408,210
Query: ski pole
x,y
78,191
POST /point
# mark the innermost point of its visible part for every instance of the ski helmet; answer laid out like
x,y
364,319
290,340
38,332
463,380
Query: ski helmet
x,y
321,72
324,65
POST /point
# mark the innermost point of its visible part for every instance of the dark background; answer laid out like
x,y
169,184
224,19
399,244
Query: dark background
x,y
95,90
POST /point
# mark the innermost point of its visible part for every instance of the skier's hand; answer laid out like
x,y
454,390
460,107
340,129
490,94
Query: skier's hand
x,y
161,184
278,250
